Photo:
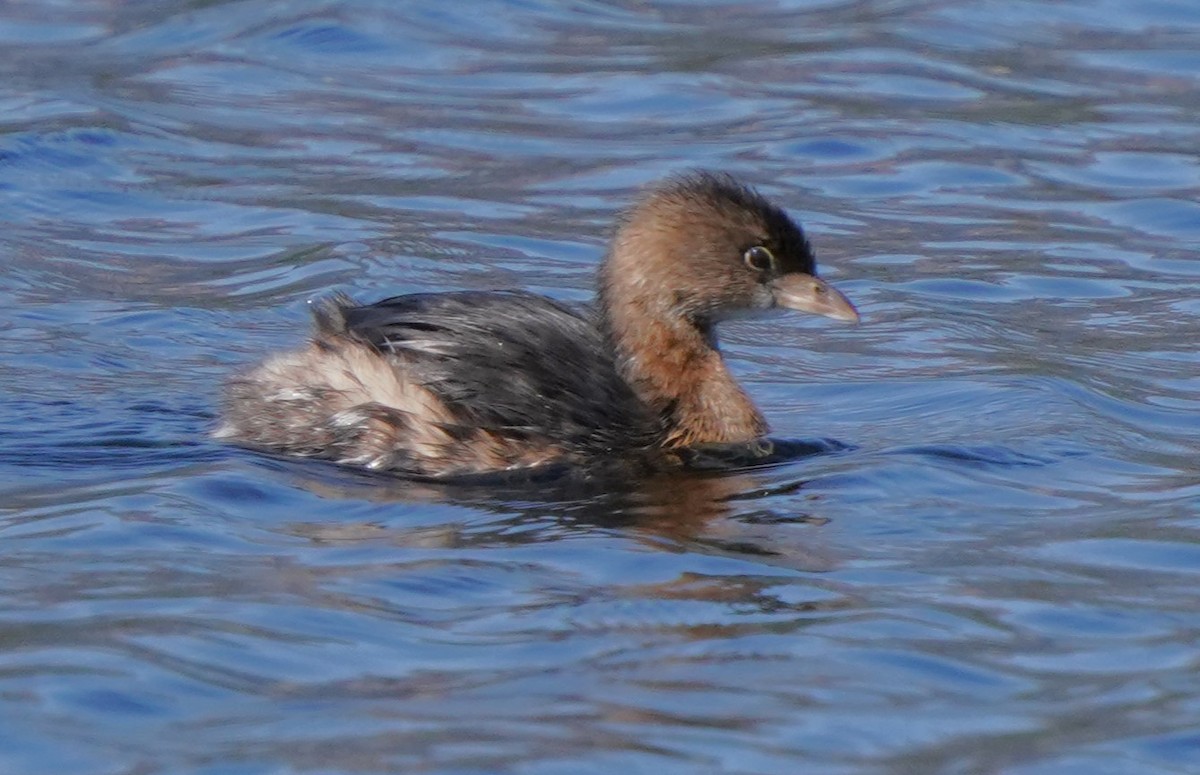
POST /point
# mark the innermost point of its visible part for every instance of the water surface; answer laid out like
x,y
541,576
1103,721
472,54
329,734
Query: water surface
x,y
998,573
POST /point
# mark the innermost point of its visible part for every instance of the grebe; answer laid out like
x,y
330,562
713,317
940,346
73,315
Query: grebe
x,y
448,384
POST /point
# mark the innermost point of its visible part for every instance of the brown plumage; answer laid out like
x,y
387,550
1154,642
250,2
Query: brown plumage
x,y
446,384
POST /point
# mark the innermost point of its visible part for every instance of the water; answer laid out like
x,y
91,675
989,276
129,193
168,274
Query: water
x,y
998,573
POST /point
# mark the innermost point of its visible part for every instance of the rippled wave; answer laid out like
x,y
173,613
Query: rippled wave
x,y
990,566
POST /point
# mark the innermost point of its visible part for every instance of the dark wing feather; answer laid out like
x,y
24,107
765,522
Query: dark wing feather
x,y
509,361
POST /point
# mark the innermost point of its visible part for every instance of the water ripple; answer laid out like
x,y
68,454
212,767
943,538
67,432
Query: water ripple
x,y
987,565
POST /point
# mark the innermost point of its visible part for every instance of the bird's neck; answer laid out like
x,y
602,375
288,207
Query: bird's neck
x,y
673,365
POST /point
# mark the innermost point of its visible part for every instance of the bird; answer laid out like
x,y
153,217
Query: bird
x,y
442,385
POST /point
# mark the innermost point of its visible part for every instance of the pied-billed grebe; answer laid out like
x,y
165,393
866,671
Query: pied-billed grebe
x,y
445,384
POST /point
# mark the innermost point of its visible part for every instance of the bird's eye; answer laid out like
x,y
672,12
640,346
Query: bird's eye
x,y
760,258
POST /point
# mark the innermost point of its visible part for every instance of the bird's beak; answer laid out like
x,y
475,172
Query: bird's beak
x,y
805,293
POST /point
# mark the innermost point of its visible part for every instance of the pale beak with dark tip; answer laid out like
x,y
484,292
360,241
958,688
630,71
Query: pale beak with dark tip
x,y
805,293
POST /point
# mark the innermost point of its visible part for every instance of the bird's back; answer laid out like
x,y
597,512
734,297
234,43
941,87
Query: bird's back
x,y
444,383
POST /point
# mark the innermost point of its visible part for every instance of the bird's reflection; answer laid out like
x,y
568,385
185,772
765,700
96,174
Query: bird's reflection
x,y
723,502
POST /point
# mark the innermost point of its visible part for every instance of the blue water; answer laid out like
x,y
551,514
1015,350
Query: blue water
x,y
999,572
